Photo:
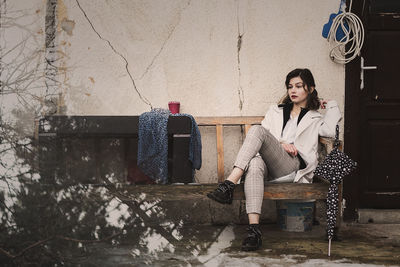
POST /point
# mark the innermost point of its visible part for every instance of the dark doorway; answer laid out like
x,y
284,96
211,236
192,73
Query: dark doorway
x,y
372,113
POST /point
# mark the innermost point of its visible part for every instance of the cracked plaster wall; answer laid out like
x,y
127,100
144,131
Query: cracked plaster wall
x,y
187,50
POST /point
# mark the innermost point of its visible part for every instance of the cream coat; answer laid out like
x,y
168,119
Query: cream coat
x,y
311,126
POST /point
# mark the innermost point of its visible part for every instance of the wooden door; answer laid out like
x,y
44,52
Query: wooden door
x,y
372,113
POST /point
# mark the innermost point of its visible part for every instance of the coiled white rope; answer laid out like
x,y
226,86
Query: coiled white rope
x,y
352,40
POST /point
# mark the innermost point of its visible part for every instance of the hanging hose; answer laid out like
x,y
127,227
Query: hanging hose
x,y
349,46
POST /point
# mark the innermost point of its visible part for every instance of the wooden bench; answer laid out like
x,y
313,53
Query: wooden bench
x,y
126,127
283,191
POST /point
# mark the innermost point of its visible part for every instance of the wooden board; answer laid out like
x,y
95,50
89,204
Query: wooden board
x,y
232,120
192,192
289,191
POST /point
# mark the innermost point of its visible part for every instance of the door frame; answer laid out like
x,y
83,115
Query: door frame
x,y
352,127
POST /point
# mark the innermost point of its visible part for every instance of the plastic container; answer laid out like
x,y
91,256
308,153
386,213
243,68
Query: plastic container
x,y
174,106
295,215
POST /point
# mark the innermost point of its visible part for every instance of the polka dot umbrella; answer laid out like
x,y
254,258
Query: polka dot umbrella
x,y
335,166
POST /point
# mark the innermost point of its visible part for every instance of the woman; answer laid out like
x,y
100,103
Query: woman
x,y
284,147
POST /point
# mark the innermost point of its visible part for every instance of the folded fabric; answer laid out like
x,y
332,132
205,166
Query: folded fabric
x,y
153,144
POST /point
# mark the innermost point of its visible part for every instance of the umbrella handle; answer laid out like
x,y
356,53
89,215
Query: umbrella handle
x,y
329,247
336,143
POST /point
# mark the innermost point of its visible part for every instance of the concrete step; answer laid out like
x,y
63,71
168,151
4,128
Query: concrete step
x,y
379,216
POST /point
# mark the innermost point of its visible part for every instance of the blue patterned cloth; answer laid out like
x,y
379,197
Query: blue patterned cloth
x,y
153,144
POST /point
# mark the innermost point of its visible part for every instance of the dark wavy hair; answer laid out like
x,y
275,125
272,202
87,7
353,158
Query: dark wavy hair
x,y
309,86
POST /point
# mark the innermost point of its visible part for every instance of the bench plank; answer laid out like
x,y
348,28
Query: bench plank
x,y
289,191
199,191
231,120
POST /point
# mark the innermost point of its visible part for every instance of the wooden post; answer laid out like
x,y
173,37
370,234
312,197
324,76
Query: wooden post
x,y
246,128
220,152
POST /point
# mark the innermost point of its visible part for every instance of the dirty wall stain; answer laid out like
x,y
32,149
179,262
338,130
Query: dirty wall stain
x,y
61,14
67,25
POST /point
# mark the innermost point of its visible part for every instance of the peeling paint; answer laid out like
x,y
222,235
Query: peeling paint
x,y
239,47
61,13
240,88
67,25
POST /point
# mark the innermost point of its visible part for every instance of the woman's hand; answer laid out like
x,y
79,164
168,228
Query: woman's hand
x,y
290,148
322,103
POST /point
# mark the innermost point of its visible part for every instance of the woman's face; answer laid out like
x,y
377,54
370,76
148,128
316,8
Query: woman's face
x,y
297,93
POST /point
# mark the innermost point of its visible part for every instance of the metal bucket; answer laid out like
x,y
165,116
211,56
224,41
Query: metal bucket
x,y
295,215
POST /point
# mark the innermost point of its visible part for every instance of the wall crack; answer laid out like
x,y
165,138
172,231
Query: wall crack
x,y
164,44
143,98
239,46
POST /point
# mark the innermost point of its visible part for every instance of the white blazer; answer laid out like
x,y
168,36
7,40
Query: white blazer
x,y
311,126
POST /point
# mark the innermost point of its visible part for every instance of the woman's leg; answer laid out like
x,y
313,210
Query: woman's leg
x,y
254,192
235,175
256,172
251,145
254,188
254,218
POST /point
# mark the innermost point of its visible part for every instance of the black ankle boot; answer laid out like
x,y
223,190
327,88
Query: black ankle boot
x,y
224,192
253,240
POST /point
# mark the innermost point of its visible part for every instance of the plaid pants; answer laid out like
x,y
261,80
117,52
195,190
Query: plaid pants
x,y
262,156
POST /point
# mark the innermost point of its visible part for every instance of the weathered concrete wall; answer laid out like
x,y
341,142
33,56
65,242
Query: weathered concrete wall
x,y
218,58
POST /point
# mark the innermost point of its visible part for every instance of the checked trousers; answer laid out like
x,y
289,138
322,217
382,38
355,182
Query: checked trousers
x,y
262,157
